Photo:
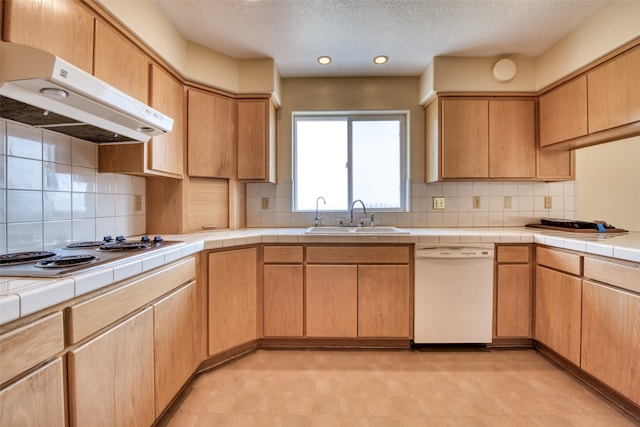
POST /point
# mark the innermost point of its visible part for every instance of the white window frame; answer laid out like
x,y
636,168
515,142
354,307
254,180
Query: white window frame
x,y
401,115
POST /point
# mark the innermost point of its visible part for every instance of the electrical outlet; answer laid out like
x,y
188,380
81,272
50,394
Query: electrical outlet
x,y
476,202
507,202
547,202
438,203
265,203
137,203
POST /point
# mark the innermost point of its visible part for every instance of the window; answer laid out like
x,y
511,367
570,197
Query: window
x,y
346,157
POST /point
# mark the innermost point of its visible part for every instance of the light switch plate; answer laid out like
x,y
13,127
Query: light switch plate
x,y
547,202
476,202
265,203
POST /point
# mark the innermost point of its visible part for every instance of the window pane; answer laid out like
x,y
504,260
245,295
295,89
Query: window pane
x,y
321,164
377,174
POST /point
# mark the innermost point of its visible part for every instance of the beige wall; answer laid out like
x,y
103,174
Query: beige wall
x,y
350,94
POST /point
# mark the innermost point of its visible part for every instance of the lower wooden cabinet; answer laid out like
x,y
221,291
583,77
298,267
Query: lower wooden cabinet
x,y
111,376
611,337
176,343
283,301
232,298
35,400
513,295
558,313
331,301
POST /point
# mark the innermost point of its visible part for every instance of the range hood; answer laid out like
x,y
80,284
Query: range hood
x,y
39,89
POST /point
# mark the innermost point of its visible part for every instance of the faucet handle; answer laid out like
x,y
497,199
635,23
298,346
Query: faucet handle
x,y
372,223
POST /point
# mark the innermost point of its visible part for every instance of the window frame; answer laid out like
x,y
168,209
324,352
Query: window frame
x,y
403,116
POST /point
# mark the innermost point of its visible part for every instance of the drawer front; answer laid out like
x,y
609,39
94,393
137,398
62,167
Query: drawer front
x,y
512,254
94,314
283,254
558,260
621,275
25,347
358,255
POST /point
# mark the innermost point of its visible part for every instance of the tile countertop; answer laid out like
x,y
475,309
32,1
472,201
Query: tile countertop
x,y
20,297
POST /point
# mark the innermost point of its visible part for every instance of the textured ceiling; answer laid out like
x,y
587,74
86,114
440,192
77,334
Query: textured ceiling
x,y
352,32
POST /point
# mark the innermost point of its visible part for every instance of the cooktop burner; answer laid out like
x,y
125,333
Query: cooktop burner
x,y
24,257
123,246
60,261
85,245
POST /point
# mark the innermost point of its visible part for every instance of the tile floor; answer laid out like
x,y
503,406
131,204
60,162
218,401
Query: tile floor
x,y
391,388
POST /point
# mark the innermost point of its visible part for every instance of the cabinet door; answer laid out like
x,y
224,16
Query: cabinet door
x,y
211,134
232,299
62,27
513,301
111,376
512,143
555,165
331,300
120,63
166,151
614,92
563,112
383,301
465,138
176,339
558,312
36,400
256,140
611,338
283,301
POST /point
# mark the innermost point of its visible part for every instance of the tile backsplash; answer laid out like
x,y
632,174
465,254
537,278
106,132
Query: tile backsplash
x,y
526,200
51,192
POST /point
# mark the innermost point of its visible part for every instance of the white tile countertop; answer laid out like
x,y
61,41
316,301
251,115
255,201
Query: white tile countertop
x,y
20,297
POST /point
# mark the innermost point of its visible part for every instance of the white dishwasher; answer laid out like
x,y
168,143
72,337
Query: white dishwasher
x,y
453,295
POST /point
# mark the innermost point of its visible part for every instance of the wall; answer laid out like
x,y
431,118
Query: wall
x,y
51,193
400,93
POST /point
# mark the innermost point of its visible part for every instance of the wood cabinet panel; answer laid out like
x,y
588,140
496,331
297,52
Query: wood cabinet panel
x,y
283,254
358,254
35,400
331,300
111,376
558,312
383,301
208,204
556,165
611,337
232,298
614,92
176,334
513,301
513,254
625,275
120,63
563,112
559,260
465,138
256,140
283,301
27,346
62,27
210,134
512,142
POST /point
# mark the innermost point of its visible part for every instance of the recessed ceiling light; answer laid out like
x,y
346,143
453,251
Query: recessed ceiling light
x,y
324,60
380,59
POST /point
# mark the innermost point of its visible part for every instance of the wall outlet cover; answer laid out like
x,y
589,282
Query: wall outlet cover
x,y
547,202
476,202
438,203
265,203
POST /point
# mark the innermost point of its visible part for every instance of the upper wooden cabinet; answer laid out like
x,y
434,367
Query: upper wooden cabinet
x,y
481,138
600,105
256,137
120,63
62,27
210,134
163,155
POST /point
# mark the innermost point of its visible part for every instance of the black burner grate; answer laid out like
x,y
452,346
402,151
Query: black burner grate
x,y
24,257
66,260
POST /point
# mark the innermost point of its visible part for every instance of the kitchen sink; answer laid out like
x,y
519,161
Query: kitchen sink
x,y
355,230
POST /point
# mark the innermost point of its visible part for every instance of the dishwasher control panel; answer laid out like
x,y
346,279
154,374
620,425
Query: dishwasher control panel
x,y
449,251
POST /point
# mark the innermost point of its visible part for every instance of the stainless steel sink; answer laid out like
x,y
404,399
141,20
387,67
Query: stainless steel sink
x,y
356,230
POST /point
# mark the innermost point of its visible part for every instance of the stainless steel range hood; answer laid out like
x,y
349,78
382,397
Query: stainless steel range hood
x,y
42,90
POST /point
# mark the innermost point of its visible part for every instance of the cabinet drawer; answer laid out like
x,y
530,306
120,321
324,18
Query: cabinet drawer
x,y
621,275
513,254
92,315
358,254
25,347
283,254
563,261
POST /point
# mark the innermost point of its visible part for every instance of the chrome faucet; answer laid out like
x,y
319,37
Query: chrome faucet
x,y
364,209
318,218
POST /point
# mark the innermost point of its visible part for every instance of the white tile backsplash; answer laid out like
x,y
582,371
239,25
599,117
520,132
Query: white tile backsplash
x,y
527,205
51,192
